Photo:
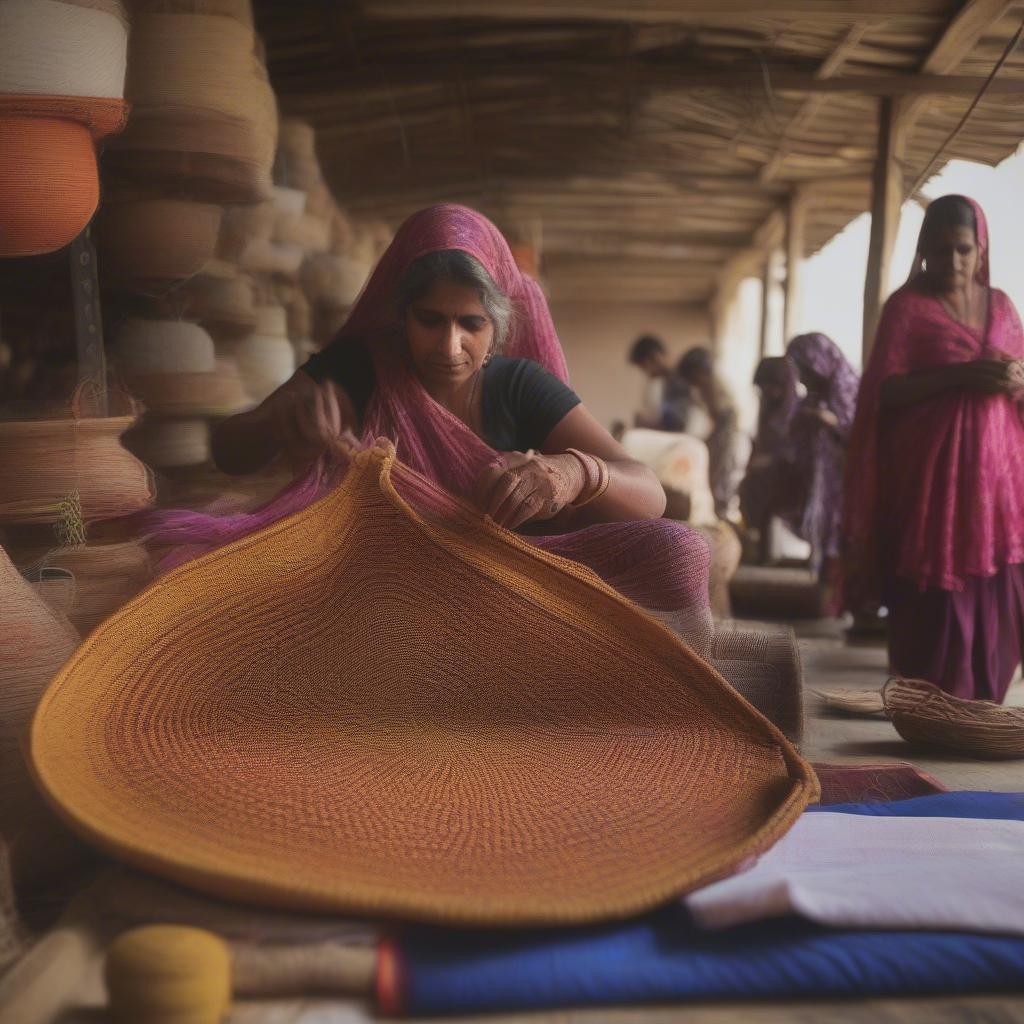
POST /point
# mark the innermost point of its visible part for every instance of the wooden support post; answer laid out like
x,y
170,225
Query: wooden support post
x,y
92,363
886,201
767,282
796,222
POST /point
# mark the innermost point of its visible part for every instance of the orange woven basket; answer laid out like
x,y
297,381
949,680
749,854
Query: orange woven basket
x,y
364,710
49,184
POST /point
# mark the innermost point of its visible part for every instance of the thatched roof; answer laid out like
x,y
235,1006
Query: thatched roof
x,y
653,142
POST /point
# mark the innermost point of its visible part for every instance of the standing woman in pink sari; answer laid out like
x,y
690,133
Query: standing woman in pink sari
x,y
934,519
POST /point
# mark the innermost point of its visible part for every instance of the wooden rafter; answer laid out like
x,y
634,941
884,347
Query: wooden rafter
x,y
810,107
647,74
659,11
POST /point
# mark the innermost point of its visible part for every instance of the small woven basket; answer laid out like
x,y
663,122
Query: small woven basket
x,y
924,714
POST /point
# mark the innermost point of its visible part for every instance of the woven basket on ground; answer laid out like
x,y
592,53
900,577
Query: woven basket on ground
x,y
44,464
106,577
851,701
776,592
924,714
271,723
13,935
35,641
764,665
149,245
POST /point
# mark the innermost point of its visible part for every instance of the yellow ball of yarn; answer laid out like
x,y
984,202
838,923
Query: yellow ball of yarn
x,y
168,974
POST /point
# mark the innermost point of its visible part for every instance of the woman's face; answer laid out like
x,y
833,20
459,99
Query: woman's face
x,y
449,334
773,393
951,257
813,382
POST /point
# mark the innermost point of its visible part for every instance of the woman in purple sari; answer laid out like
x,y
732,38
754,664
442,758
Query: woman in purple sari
x,y
817,441
767,488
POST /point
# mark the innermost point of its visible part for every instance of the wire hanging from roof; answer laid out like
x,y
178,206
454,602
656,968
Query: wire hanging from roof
x,y
1010,47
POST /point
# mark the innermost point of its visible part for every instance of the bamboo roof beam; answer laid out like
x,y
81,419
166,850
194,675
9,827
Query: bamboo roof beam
x,y
658,11
300,85
810,107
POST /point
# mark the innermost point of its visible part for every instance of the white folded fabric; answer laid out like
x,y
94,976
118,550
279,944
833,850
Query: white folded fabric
x,y
858,871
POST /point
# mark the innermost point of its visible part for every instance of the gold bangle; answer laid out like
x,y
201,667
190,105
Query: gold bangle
x,y
597,475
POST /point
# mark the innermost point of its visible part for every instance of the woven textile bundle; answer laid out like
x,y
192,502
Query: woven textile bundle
x,y
164,346
311,234
106,576
34,642
51,48
296,164
242,224
165,444
203,111
46,463
298,719
265,358
289,201
49,184
764,666
188,395
149,245
334,281
62,69
12,933
273,259
924,714
240,10
220,298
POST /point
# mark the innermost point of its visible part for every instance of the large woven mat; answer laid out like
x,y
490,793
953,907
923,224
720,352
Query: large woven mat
x,y
363,709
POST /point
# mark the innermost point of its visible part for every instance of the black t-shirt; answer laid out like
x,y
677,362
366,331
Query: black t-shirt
x,y
521,403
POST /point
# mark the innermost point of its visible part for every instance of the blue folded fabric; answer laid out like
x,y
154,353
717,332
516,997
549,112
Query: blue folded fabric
x,y
663,957
967,804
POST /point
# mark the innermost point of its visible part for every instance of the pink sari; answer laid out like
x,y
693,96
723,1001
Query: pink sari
x,y
934,518
936,489
661,565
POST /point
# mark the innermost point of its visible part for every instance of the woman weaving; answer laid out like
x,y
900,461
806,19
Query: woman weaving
x,y
935,482
419,361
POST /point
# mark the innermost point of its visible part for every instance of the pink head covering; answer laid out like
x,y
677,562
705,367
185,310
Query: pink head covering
x,y
981,275
428,437
935,490
448,226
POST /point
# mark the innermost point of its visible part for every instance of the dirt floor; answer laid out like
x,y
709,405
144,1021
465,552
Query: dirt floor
x,y
828,662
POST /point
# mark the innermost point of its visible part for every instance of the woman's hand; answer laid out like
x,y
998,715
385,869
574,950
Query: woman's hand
x,y
990,376
525,487
307,417
826,417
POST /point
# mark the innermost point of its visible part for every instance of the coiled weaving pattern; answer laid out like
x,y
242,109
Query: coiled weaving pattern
x,y
364,708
